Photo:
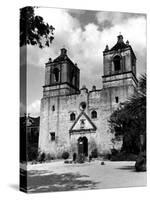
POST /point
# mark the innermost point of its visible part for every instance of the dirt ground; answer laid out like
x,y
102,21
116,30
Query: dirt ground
x,y
57,176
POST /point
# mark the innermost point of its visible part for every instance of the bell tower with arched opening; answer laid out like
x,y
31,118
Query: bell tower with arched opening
x,y
61,76
119,69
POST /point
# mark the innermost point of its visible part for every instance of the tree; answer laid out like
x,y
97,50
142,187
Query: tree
x,y
33,29
129,120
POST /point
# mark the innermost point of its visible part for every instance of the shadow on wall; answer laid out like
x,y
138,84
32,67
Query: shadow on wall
x,y
46,181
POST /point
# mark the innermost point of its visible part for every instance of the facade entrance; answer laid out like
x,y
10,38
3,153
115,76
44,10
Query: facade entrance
x,y
83,146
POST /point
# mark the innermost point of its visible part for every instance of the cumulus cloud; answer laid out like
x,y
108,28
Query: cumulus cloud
x,y
34,108
86,44
109,19
134,30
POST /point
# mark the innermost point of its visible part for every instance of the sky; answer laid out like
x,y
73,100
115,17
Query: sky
x,y
84,34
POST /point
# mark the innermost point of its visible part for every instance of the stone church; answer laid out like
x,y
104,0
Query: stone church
x,y
74,119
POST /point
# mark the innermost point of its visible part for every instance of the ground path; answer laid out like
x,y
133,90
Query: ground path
x,y
57,176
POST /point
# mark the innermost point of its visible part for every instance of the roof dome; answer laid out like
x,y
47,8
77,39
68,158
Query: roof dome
x,y
120,44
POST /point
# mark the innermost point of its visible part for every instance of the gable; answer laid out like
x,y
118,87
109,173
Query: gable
x,y
82,123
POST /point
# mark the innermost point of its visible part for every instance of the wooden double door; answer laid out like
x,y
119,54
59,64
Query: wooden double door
x,y
83,145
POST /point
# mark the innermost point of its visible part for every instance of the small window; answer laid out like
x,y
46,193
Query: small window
x,y
117,99
72,117
53,108
52,134
93,114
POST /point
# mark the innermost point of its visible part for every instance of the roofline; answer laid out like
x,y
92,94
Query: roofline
x,y
124,49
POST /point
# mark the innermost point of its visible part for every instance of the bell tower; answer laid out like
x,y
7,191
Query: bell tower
x,y
119,69
61,76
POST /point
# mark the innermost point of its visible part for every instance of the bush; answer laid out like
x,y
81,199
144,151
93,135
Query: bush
x,y
32,152
107,156
102,163
68,161
48,157
140,164
123,156
114,152
42,157
94,153
65,155
81,158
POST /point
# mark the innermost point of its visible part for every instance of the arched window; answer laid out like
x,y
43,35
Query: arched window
x,y
53,108
72,117
116,61
93,114
52,136
82,106
56,74
117,99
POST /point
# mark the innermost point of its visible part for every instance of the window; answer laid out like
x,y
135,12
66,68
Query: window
x,y
52,135
72,117
93,114
56,74
82,106
53,108
117,99
116,61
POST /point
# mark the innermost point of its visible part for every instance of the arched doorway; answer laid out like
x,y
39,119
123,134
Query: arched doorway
x,y
83,146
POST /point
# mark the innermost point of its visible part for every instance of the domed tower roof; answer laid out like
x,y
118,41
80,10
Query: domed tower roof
x,y
120,44
63,56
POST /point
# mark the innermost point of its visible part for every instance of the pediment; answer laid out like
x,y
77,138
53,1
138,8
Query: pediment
x,y
82,123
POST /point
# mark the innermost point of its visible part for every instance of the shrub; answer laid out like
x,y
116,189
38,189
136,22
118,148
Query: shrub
x,y
140,164
42,157
114,152
48,157
107,156
65,155
123,156
90,158
94,153
68,161
81,158
32,152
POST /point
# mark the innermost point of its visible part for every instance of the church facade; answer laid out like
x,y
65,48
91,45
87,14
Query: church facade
x,y
74,119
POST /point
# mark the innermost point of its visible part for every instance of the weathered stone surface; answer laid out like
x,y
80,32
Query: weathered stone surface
x,y
63,97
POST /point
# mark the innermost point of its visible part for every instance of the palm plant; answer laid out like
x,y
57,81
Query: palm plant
x,y
136,105
130,119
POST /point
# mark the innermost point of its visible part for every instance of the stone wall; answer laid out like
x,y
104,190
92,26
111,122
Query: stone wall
x,y
62,98
58,121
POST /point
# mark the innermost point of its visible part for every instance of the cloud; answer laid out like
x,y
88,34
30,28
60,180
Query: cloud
x,y
76,11
109,19
34,108
134,30
85,45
